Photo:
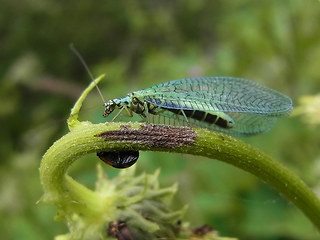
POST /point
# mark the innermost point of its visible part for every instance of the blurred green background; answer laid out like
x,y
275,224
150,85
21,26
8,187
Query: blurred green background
x,y
138,44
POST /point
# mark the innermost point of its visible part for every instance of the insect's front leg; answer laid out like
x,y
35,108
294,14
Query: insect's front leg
x,y
128,110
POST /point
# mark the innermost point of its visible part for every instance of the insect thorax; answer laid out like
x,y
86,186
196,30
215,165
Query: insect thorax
x,y
131,103
138,105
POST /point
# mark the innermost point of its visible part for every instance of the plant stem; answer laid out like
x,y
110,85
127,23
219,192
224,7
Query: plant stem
x,y
87,138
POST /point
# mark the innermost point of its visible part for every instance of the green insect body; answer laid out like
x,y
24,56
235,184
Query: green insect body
x,y
235,106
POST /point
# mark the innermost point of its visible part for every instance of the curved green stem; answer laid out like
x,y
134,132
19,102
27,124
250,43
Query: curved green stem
x,y
86,138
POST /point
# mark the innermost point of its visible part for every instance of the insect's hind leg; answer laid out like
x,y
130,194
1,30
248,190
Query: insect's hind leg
x,y
185,116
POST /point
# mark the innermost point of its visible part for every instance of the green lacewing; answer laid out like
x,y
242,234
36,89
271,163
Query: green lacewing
x,y
235,106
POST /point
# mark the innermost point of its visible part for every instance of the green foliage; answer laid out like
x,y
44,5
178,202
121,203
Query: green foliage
x,y
138,44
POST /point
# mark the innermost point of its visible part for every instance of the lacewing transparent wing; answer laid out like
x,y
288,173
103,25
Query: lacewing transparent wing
x,y
235,106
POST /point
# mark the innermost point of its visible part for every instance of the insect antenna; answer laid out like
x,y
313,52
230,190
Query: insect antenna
x,y
77,53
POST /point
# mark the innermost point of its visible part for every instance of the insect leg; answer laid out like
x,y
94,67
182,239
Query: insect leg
x,y
127,110
114,118
183,113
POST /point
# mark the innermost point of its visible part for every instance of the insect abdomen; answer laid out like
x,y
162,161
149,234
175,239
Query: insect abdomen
x,y
203,117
